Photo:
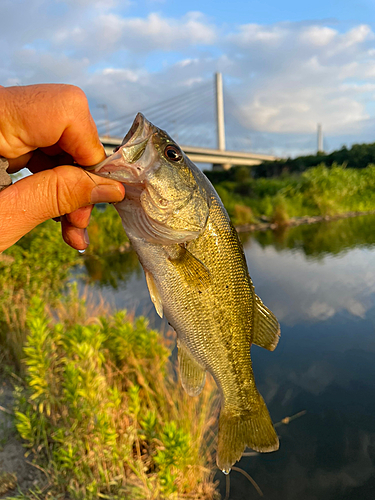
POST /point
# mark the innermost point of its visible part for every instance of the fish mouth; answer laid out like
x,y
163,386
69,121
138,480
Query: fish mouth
x,y
130,160
140,130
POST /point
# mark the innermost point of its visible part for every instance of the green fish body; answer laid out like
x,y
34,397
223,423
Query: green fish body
x,y
197,277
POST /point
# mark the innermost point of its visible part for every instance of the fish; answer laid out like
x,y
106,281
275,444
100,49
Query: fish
x,y
197,276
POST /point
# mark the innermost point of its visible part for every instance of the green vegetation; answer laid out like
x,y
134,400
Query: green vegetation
x,y
358,156
318,240
317,191
39,264
106,232
98,402
108,259
102,412
7,482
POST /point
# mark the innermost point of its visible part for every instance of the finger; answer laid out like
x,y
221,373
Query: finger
x,y
41,161
48,194
52,150
80,218
74,236
16,164
38,116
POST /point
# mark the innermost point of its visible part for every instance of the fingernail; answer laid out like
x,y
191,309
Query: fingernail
x,y
86,237
106,193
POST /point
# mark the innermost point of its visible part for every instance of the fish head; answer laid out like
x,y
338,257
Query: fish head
x,y
165,200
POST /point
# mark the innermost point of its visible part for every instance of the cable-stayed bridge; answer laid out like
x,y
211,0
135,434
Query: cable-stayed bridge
x,y
195,120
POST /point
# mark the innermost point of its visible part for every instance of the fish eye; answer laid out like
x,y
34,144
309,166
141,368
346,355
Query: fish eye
x,y
173,153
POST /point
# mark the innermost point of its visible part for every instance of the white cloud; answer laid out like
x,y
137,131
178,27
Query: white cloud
x,y
316,291
110,32
249,34
300,82
285,77
123,74
318,35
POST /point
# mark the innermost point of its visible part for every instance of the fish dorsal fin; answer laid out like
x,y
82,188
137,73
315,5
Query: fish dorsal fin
x,y
266,326
154,293
194,272
193,376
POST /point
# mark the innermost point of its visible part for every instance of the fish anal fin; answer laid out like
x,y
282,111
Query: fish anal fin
x,y
240,429
193,376
266,326
193,271
154,293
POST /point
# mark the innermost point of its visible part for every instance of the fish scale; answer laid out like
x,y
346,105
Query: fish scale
x,y
197,276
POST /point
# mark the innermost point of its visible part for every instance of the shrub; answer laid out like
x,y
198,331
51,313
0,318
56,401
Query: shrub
x,y
103,413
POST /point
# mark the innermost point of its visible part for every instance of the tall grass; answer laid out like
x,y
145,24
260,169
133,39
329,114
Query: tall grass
x,y
103,413
39,264
317,191
100,409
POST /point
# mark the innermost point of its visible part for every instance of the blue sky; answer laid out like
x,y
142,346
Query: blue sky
x,y
286,65
261,11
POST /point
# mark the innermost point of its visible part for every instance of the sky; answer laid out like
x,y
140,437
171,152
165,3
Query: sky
x,y
286,66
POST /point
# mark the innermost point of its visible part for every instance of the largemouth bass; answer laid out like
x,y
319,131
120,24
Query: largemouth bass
x,y
197,277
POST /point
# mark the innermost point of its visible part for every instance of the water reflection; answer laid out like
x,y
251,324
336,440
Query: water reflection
x,y
317,240
112,270
320,281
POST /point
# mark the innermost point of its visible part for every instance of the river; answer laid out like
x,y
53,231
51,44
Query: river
x,y
319,280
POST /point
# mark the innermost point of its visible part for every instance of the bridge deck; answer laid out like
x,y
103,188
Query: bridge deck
x,y
205,155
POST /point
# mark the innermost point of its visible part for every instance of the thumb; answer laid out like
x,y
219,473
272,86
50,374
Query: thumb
x,y
48,194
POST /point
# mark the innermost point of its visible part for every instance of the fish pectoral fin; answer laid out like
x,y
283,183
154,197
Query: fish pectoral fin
x,y
193,376
154,293
266,326
193,271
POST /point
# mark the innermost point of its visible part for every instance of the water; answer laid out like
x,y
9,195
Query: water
x,y
320,282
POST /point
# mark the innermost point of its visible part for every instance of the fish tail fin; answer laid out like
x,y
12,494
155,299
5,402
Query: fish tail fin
x,y
238,429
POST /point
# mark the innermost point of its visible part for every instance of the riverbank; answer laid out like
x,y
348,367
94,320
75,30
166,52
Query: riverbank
x,y
265,224
318,192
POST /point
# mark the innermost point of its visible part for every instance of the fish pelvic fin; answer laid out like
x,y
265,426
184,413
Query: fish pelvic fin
x,y
154,294
193,376
266,327
240,429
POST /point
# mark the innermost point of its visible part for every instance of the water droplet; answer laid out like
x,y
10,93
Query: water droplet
x,y
82,251
226,471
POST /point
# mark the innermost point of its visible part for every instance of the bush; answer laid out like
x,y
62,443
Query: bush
x,y
102,412
317,191
39,264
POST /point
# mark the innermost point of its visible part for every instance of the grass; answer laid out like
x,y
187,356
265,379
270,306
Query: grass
x,y
41,264
99,406
98,403
102,411
38,264
317,191
8,482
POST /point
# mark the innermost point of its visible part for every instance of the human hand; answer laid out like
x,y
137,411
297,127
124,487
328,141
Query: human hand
x,y
44,128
